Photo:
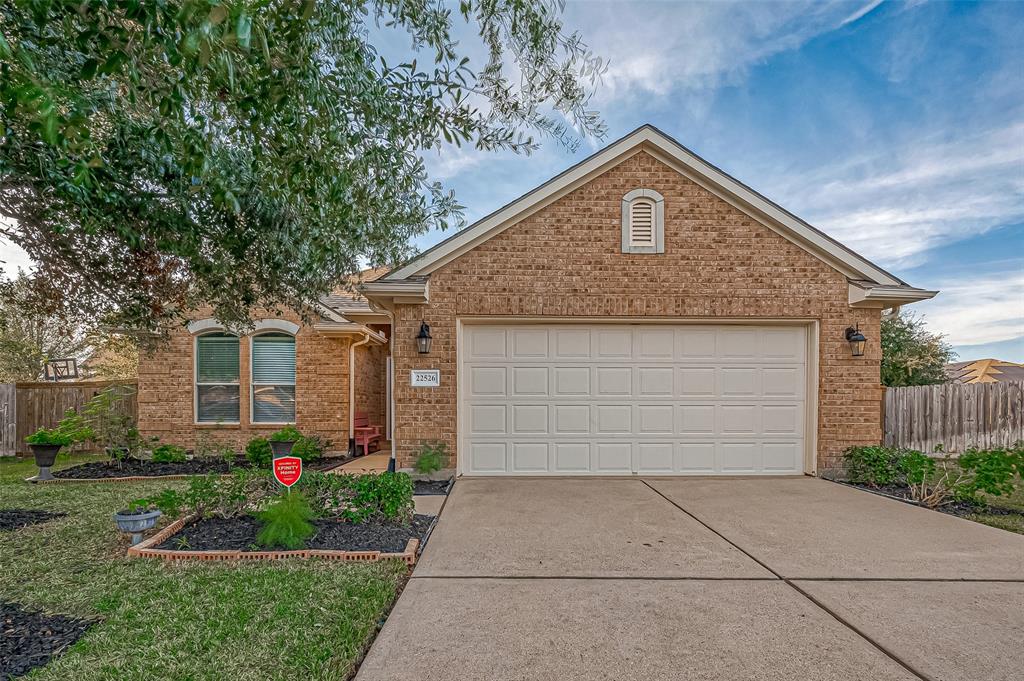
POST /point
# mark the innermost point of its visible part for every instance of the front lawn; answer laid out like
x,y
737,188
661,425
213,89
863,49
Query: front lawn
x,y
294,619
1013,523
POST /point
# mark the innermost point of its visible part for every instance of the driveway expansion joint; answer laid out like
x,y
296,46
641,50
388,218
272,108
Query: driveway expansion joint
x,y
884,650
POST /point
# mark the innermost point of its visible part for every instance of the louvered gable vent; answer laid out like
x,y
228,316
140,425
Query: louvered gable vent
x,y
641,223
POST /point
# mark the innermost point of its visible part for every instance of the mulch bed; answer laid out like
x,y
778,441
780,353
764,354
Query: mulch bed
x,y
431,487
17,518
29,639
130,468
239,534
961,509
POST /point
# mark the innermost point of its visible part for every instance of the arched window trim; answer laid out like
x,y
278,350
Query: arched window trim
x,y
658,226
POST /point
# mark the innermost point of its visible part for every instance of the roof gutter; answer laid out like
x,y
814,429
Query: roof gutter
x,y
865,294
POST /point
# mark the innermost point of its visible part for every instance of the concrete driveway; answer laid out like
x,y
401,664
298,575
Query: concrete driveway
x,y
687,578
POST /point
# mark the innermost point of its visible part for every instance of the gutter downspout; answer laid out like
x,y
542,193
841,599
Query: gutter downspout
x,y
352,393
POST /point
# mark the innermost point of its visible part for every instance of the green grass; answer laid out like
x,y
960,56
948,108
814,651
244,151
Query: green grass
x,y
292,619
1012,523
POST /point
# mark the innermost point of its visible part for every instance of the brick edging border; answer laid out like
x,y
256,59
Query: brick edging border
x,y
145,549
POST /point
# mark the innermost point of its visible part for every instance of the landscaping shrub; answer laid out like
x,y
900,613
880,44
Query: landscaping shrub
x,y
244,491
169,454
286,434
258,452
875,466
359,498
286,522
53,436
995,471
309,448
388,495
431,458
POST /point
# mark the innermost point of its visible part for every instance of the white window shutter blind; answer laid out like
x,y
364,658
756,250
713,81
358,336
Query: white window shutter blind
x,y
273,378
641,223
217,378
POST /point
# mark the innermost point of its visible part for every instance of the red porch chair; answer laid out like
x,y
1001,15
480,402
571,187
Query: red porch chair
x,y
366,434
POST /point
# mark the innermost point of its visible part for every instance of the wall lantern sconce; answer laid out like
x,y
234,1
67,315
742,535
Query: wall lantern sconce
x,y
856,340
423,338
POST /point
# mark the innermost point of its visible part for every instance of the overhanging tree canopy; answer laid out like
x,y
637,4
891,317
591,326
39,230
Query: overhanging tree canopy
x,y
159,154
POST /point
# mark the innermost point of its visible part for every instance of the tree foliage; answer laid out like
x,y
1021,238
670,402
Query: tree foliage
x,y
29,339
912,355
155,155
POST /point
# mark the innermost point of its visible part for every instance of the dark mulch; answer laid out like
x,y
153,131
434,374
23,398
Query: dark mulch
x,y
16,518
239,534
960,509
30,638
147,468
431,487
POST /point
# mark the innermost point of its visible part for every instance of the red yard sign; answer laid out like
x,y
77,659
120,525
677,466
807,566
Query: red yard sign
x,y
288,470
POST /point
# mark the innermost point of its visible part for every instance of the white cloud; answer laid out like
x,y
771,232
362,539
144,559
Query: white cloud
x,y
976,310
655,48
896,204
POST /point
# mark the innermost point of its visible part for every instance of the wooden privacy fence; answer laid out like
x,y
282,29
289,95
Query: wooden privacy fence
x,y
954,416
27,407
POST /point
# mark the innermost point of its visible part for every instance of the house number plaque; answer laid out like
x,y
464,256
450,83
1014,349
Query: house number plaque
x,y
426,378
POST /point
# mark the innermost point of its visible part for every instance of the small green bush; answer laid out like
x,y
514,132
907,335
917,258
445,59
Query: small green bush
x,y
286,434
169,454
359,498
431,458
53,436
286,522
915,468
244,491
309,448
995,471
875,466
259,453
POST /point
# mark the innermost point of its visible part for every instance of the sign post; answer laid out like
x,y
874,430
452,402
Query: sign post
x,y
288,470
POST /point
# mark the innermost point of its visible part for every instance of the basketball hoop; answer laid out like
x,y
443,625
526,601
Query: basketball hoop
x,y
61,369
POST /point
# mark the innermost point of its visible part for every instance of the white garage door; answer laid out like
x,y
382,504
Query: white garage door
x,y
620,399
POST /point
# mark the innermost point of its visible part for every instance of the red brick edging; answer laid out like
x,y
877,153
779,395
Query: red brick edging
x,y
144,550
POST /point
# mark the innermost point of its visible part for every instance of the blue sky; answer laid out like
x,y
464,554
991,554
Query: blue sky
x,y
897,128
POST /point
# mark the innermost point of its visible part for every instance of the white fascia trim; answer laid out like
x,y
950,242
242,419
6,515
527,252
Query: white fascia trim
x,y
886,296
648,138
402,292
350,329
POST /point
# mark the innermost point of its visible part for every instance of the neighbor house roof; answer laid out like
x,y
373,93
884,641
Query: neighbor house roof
x,y
985,371
649,139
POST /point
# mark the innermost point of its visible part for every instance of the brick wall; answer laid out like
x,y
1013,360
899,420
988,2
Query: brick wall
x,y
166,390
566,261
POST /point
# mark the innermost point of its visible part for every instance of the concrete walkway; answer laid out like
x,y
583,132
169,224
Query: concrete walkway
x,y
685,578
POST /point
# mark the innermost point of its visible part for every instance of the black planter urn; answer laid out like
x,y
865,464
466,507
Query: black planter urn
x,y
281,447
45,455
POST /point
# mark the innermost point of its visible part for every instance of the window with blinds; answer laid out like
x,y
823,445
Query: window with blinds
x,y
273,378
641,223
217,390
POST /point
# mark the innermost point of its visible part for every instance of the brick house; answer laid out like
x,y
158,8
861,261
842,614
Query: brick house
x,y
640,313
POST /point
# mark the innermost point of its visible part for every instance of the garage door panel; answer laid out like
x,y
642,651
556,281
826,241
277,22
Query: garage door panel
x,y
572,343
530,457
620,399
614,418
654,381
572,380
614,381
614,457
572,419
571,457
655,457
487,419
697,457
529,343
487,381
